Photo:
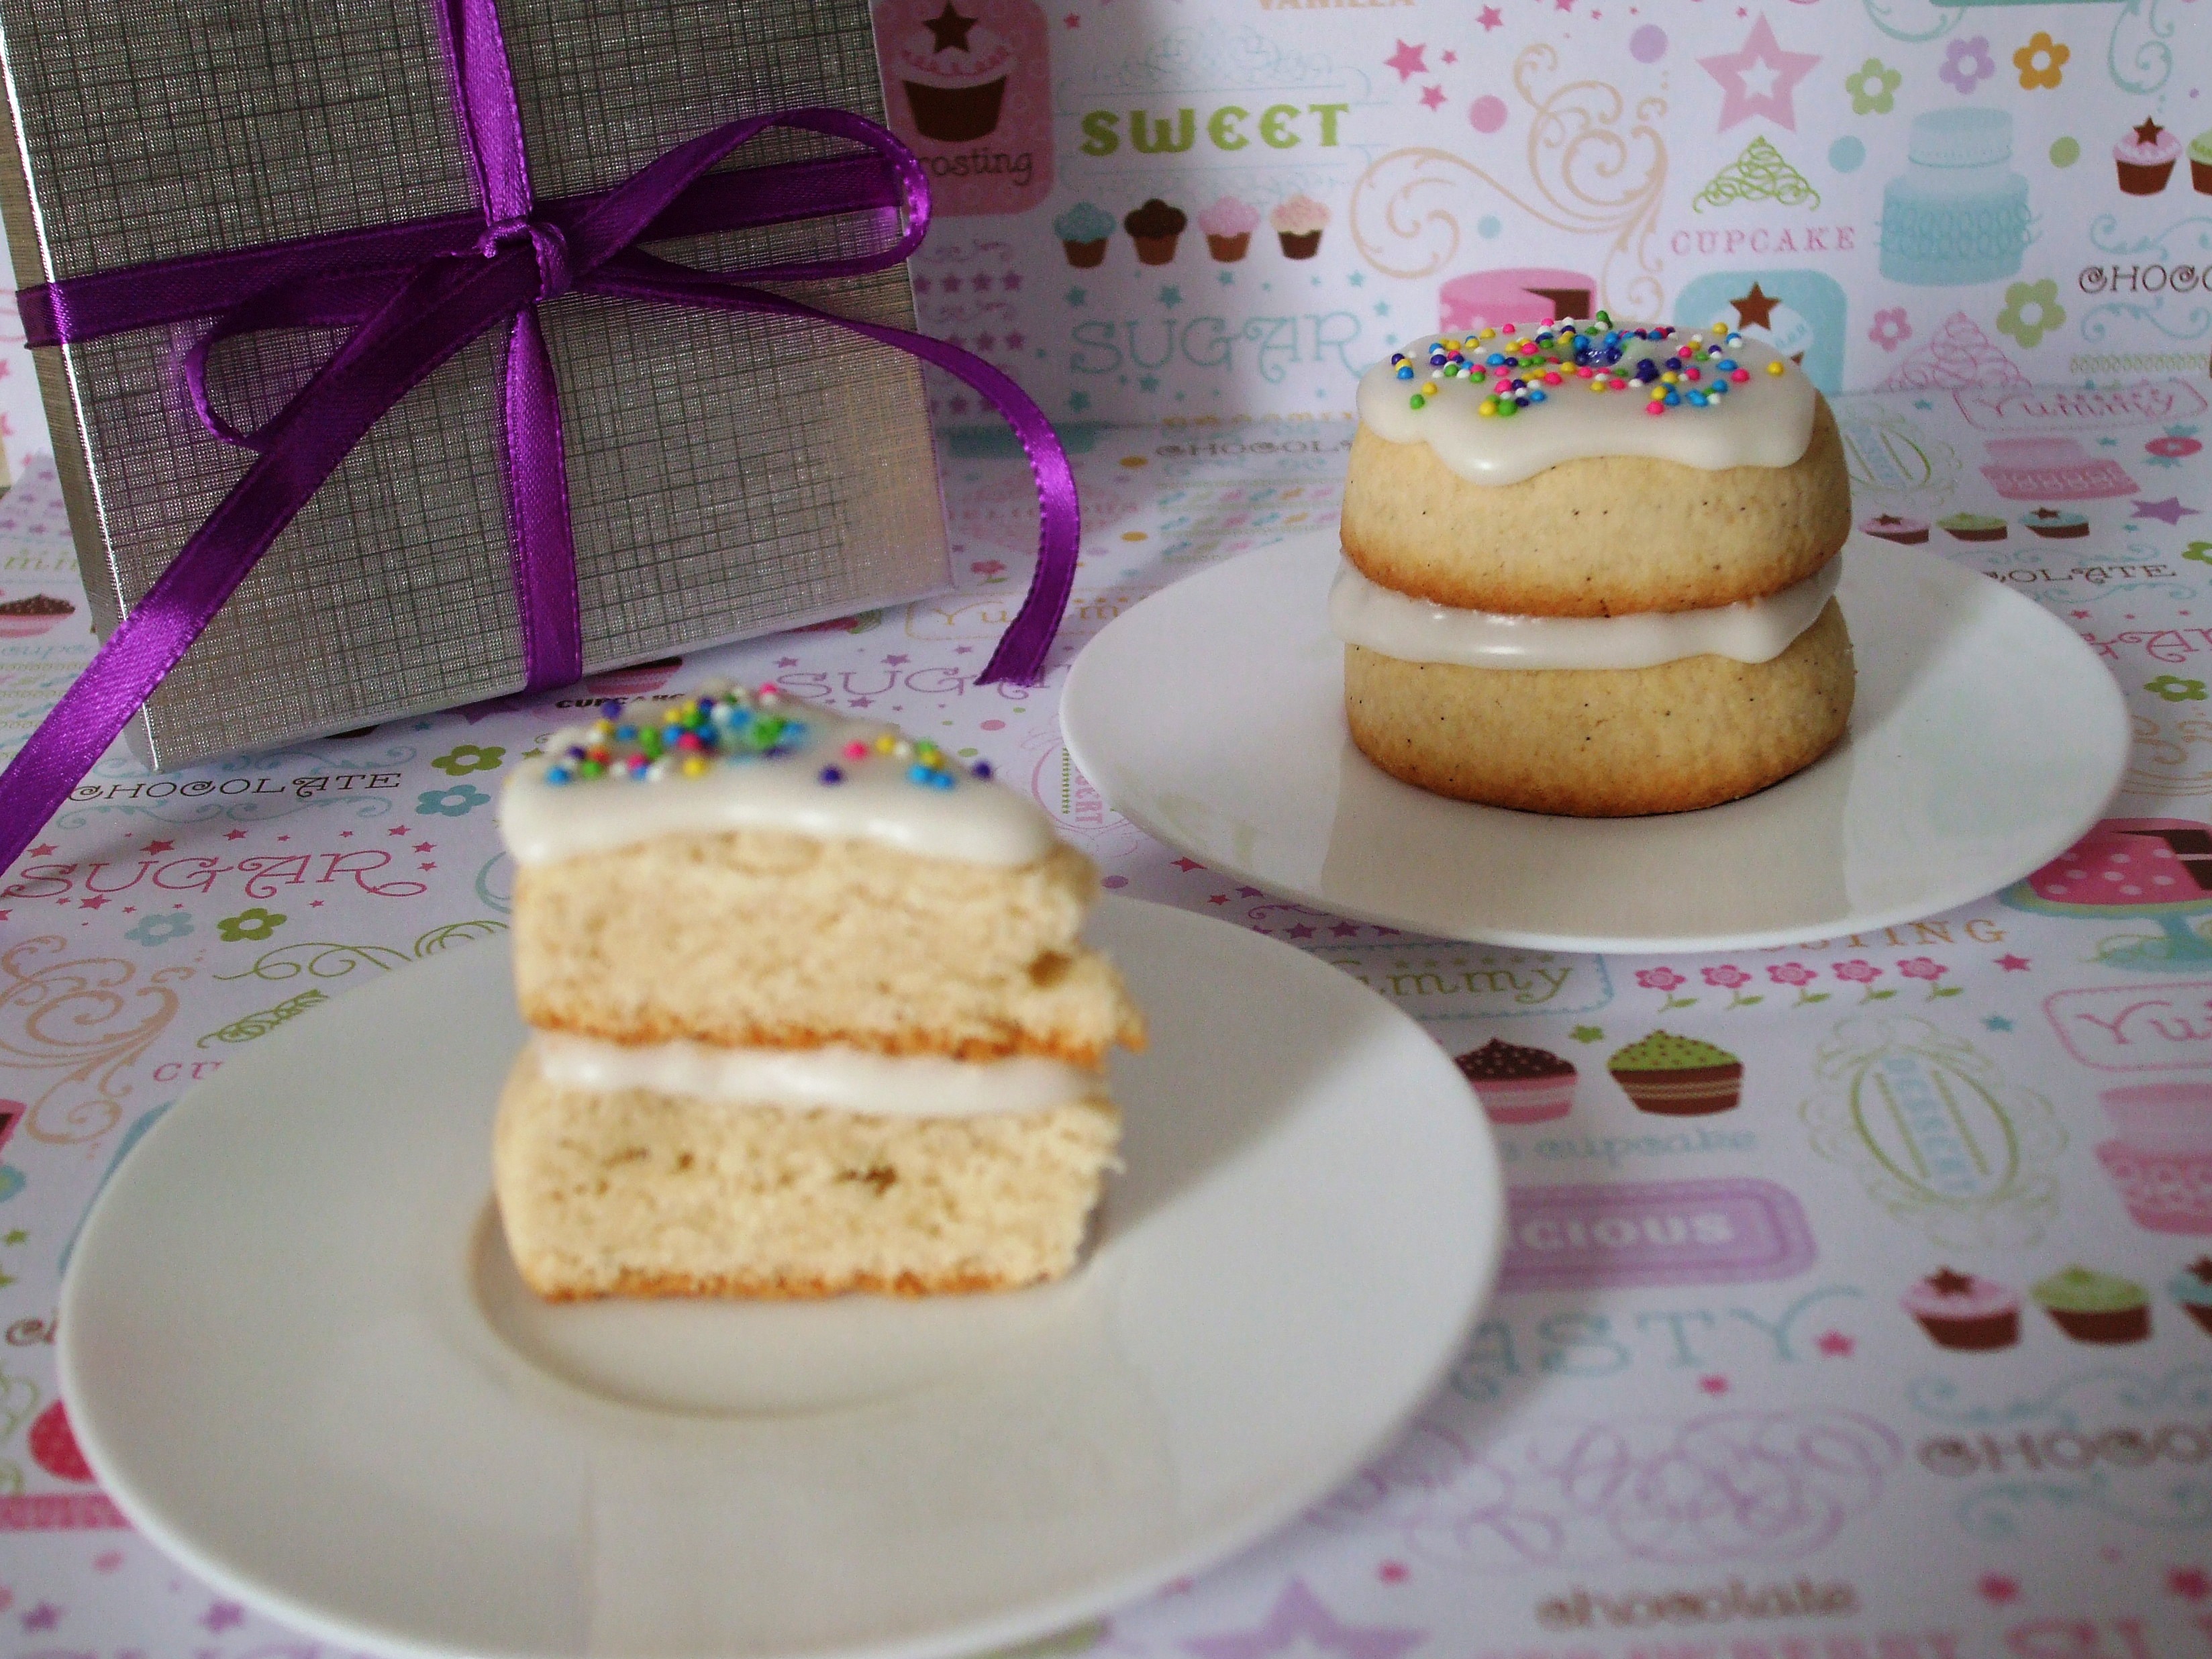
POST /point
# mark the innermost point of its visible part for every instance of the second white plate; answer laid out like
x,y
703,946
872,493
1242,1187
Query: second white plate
x,y
1985,740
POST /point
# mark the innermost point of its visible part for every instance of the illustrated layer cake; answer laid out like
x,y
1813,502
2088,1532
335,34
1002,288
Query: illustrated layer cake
x,y
1591,569
811,1014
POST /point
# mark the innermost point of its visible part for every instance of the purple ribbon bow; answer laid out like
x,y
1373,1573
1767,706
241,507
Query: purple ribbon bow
x,y
414,293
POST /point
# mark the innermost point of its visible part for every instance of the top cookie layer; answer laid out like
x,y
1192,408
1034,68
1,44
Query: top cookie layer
x,y
1500,410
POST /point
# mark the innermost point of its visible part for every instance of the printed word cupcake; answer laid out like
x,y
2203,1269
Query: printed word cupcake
x,y
1517,1085
2093,1307
1973,527
954,71
1228,226
1155,228
1298,224
1961,1310
1083,230
1892,528
1677,1076
2146,158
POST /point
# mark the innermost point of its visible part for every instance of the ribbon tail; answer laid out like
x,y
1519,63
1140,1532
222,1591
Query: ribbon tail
x,y
543,544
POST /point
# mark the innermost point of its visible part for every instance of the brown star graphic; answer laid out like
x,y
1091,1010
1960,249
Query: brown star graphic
x,y
2045,513
2147,132
1889,518
950,29
2202,1269
1755,309
1944,1282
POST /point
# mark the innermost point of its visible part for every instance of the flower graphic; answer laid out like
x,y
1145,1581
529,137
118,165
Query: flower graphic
x,y
1862,973
1797,975
160,928
470,757
456,802
1872,86
1928,969
2031,310
2041,61
2173,689
1890,330
2200,552
256,923
1967,63
991,570
1732,979
1666,979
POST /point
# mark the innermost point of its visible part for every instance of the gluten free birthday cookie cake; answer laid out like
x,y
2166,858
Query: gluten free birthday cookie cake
x,y
1590,570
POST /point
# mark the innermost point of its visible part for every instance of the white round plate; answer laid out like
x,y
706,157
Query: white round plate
x,y
296,1352
1985,740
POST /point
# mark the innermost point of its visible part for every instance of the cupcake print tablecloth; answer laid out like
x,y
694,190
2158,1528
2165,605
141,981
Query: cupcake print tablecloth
x,y
1858,1304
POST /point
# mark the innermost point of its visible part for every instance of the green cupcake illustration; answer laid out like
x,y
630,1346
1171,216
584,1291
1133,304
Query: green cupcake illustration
x,y
2093,1307
1973,527
1677,1076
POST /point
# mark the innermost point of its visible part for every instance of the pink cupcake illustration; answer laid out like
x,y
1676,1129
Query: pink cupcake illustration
x,y
638,680
2160,1155
2146,158
1964,1311
1228,226
1298,224
1519,1085
954,71
22,619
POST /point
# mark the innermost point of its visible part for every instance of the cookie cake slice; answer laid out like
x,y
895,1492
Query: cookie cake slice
x,y
810,1013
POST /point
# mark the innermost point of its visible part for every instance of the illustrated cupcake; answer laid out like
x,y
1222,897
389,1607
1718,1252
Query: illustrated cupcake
x,y
954,71
2146,158
1961,1310
21,618
1155,228
2093,1307
1228,226
1516,1084
2058,526
1677,1076
1298,224
638,680
2200,162
1892,528
1083,230
1973,527
2192,1288
2160,1156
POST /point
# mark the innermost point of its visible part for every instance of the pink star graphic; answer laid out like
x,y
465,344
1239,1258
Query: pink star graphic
x,y
1432,97
787,662
1304,930
1759,78
1563,5
159,845
222,1615
1714,1384
44,1616
2012,965
42,849
1998,1587
94,903
1407,60
1298,1622
426,846
1345,929
1217,898
1188,865
234,834
1247,892
1490,20
1837,1344
396,829
1073,20
1391,1572
2190,1583
2170,510
1451,57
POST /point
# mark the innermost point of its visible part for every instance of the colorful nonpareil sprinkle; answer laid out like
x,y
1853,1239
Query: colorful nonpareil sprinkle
x,y
1673,369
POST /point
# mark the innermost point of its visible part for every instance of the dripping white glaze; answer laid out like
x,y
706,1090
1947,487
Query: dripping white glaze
x,y
1362,612
1766,420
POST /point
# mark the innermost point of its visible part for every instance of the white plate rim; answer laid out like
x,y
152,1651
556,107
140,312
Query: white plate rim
x,y
980,1636
1077,701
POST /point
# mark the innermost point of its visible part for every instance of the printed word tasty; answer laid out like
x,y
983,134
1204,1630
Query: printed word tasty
x,y
260,875
1274,345
1802,239
1712,1604
331,783
2069,1450
1230,126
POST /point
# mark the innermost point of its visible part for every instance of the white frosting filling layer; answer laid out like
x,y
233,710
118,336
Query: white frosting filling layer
x,y
837,1078
874,796
1364,612
1763,420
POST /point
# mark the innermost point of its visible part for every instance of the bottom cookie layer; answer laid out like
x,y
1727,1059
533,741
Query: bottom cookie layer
x,y
632,1193
1604,743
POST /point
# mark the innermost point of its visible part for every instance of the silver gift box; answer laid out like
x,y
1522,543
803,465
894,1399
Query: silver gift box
x,y
729,475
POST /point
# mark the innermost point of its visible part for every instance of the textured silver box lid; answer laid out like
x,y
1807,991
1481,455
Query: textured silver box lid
x,y
728,475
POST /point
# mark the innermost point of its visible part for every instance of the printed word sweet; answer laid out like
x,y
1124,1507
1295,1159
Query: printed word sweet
x,y
2128,1029
1803,1598
262,875
2140,279
334,783
1276,344
2069,1450
2095,574
1277,126
1804,239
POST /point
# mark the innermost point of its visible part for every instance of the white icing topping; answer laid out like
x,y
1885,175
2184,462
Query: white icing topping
x,y
836,1077
1763,420
876,798
1364,612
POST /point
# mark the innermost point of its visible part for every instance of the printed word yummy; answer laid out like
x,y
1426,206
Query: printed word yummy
x,y
1276,126
2078,408
1278,344
262,874
2125,1029
1805,239
334,783
2066,1450
1586,1609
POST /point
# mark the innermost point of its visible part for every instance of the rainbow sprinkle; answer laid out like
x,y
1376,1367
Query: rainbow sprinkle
x,y
1673,370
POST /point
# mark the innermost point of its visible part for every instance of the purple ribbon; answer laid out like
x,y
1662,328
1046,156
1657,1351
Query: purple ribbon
x,y
414,293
